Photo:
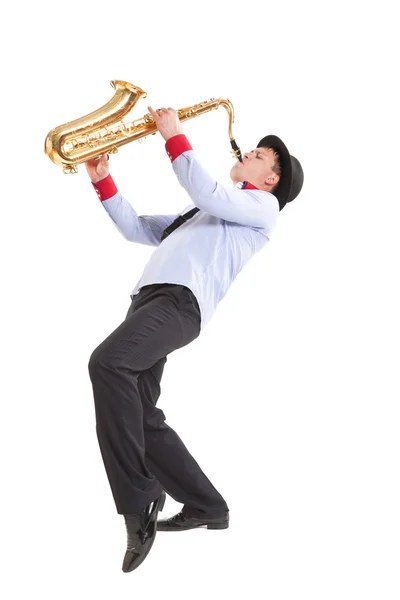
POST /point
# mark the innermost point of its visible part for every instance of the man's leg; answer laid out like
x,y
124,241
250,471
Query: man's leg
x,y
167,456
158,323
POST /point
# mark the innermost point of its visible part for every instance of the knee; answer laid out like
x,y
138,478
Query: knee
x,y
97,360
153,420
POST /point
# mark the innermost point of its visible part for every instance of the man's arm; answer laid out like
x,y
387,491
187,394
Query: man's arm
x,y
144,229
254,208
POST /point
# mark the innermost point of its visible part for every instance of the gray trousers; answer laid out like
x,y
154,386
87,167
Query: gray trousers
x,y
143,455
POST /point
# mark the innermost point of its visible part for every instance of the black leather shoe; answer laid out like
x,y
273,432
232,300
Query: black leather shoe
x,y
182,522
141,529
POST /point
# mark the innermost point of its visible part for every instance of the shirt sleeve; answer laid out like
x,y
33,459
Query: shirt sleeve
x,y
254,208
143,229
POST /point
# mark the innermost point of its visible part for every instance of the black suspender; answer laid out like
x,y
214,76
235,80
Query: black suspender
x,y
179,221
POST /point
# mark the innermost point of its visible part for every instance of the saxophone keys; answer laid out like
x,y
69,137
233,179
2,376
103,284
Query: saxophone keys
x,y
69,169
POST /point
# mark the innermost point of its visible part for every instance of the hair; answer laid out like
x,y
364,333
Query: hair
x,y
277,166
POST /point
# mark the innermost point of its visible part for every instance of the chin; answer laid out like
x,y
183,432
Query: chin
x,y
234,174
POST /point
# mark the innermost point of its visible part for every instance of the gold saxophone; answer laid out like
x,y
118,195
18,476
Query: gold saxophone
x,y
104,131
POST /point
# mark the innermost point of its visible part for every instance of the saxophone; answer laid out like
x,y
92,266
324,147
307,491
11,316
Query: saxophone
x,y
104,130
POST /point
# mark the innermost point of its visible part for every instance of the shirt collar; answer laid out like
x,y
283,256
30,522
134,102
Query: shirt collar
x,y
246,185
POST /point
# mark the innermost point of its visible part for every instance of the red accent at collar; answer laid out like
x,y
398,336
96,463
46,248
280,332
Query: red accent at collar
x,y
250,186
176,145
105,188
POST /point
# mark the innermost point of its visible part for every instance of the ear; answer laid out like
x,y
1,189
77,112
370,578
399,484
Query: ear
x,y
271,180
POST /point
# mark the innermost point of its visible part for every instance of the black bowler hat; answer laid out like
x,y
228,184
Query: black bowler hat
x,y
292,176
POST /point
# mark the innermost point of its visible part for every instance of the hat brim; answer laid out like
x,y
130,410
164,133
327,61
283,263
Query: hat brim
x,y
282,192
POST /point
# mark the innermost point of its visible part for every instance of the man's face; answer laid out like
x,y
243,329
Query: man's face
x,y
256,168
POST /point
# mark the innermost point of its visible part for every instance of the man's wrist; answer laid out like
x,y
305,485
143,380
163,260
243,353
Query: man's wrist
x,y
176,145
105,188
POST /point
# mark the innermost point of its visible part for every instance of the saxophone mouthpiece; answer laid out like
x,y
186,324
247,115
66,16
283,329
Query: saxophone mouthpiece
x,y
236,150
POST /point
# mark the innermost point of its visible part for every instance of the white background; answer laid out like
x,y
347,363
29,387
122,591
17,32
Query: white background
x,y
289,400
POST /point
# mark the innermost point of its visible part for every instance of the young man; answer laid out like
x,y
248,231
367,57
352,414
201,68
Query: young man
x,y
186,277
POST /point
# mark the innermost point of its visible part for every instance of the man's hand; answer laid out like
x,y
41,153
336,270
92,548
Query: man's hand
x,y
98,168
167,121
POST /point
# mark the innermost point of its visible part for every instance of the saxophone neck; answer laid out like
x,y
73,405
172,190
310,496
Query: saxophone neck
x,y
212,104
227,104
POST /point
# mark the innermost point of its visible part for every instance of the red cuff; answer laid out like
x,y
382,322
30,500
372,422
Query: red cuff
x,y
176,145
105,188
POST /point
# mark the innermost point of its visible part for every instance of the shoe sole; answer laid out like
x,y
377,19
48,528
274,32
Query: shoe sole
x,y
203,526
